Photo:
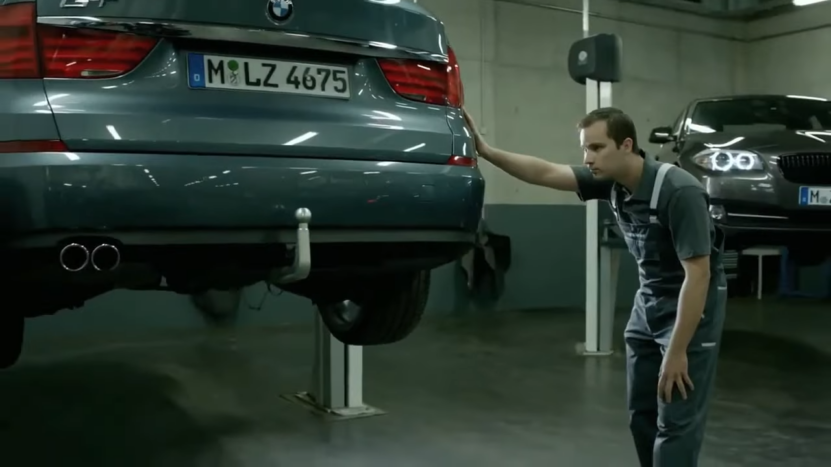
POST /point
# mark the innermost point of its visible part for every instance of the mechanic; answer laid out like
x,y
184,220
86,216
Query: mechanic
x,y
674,332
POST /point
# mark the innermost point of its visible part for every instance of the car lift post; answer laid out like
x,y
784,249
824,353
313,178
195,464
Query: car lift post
x,y
602,259
337,378
337,369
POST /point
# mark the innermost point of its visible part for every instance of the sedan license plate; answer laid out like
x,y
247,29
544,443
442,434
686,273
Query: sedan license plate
x,y
251,74
814,196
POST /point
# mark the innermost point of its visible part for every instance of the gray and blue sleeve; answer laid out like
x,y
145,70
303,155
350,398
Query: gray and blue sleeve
x,y
589,187
690,222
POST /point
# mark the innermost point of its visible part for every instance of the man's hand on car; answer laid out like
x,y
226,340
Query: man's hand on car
x,y
481,146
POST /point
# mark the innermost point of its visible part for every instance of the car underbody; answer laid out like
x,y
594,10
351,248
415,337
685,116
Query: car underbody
x,y
370,287
336,266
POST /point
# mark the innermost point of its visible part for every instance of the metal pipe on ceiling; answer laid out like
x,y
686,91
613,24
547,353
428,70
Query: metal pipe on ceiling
x,y
721,9
651,24
774,7
701,8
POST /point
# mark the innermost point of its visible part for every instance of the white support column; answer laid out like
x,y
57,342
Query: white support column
x,y
337,379
609,266
601,264
592,249
329,375
592,239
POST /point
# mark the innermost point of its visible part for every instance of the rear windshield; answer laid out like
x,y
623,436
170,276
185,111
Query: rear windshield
x,y
761,114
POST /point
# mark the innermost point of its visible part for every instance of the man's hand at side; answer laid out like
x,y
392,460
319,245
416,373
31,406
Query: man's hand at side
x,y
674,374
691,229
690,308
526,168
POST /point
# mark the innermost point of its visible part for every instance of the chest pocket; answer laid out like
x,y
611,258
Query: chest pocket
x,y
643,236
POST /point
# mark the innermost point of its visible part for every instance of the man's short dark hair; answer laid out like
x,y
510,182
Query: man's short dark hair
x,y
619,126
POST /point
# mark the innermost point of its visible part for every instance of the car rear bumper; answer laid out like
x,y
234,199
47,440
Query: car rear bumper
x,y
149,198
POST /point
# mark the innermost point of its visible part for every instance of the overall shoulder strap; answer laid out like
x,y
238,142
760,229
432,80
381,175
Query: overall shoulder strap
x,y
656,192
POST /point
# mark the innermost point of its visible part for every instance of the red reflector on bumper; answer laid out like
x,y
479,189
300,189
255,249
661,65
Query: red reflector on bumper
x,y
32,146
462,161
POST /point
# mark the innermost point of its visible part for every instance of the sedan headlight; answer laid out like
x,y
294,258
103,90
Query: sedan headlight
x,y
722,160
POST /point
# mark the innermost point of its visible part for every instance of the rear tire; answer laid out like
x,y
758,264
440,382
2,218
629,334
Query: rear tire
x,y
382,311
12,330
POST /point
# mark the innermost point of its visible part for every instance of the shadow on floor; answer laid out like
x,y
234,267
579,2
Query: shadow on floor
x,y
773,352
96,413
780,375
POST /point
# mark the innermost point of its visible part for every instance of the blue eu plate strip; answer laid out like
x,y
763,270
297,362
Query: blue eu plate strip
x,y
196,70
803,193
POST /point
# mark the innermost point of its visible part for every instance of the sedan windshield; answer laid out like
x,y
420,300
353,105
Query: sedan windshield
x,y
760,114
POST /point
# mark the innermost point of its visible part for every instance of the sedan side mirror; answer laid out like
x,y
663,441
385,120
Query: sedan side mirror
x,y
661,135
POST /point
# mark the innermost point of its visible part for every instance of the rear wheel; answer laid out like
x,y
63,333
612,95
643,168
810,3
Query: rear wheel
x,y
12,329
382,310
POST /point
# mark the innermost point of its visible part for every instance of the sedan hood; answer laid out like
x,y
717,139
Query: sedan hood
x,y
769,143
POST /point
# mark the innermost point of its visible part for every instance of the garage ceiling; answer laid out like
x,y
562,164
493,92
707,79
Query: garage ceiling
x,y
744,9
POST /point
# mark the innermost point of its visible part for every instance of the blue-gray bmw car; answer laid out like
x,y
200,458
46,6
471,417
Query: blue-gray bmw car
x,y
185,145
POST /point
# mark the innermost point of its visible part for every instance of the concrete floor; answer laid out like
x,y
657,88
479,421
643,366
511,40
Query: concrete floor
x,y
476,391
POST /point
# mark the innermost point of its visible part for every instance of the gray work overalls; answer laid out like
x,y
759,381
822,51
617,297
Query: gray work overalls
x,y
666,435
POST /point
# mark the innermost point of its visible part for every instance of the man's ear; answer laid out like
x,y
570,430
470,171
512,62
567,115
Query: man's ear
x,y
627,145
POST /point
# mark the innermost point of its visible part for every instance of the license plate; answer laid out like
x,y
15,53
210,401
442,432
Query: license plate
x,y
251,74
813,196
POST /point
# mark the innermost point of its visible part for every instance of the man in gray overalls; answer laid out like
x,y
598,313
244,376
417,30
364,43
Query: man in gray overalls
x,y
674,333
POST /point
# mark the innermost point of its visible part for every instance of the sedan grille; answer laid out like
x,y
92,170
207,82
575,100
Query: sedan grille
x,y
806,168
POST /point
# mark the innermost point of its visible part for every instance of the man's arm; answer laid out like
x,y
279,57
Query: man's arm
x,y
689,223
531,169
540,172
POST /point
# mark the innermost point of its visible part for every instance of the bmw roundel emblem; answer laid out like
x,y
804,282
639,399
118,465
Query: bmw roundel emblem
x,y
280,10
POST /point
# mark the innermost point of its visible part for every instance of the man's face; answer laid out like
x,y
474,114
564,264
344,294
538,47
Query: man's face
x,y
600,154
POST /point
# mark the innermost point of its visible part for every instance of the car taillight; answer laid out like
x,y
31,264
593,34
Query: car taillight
x,y
86,53
18,44
32,146
428,82
455,88
29,50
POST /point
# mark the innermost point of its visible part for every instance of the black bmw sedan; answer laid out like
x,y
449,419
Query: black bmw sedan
x,y
766,163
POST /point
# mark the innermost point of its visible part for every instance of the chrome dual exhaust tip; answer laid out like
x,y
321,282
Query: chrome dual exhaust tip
x,y
105,257
76,257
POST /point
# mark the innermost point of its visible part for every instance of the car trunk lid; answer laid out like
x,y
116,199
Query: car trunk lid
x,y
218,77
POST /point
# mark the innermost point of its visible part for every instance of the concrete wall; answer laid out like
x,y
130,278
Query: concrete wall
x,y
786,54
513,59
